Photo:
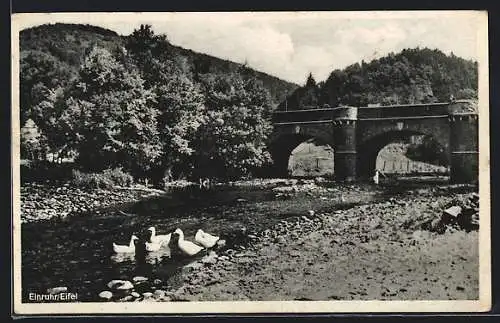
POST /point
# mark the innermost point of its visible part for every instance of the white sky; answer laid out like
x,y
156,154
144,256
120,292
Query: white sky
x,y
290,45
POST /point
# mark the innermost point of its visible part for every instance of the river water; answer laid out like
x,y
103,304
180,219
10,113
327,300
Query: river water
x,y
76,252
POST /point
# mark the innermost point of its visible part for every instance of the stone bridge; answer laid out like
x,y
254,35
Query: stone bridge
x,y
357,134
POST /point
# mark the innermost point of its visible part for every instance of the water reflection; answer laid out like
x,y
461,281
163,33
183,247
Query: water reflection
x,y
157,257
123,257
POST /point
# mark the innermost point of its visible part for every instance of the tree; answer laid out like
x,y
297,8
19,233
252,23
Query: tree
x,y
114,120
231,142
40,73
181,112
310,82
33,144
180,102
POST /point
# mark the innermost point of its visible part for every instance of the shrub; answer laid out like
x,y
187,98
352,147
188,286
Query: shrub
x,y
107,179
90,180
118,177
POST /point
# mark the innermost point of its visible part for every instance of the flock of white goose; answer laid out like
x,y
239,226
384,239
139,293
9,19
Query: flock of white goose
x,y
174,240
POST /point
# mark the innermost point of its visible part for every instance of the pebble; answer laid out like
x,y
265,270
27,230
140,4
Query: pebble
x,y
106,294
135,294
139,279
159,293
280,240
120,285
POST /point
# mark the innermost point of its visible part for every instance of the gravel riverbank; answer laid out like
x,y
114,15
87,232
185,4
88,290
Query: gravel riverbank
x,y
44,201
375,251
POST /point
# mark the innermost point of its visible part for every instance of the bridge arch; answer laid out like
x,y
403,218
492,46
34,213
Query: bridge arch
x,y
286,138
369,149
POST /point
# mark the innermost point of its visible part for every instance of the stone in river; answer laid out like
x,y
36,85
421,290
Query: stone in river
x,y
221,243
57,290
139,279
147,294
121,285
194,265
106,294
453,211
159,293
135,294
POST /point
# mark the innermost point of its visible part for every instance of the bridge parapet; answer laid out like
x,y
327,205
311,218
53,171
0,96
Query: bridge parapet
x,y
463,107
345,113
409,111
404,111
299,116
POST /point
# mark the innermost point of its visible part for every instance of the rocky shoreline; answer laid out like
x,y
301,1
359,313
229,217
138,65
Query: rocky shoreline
x,y
316,241
45,201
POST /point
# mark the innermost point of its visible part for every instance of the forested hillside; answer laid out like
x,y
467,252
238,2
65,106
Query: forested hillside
x,y
411,76
51,56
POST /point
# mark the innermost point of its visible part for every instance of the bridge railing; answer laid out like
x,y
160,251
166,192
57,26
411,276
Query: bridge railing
x,y
303,115
418,110
363,113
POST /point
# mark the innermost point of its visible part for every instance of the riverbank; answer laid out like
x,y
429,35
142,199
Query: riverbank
x,y
41,202
286,240
376,251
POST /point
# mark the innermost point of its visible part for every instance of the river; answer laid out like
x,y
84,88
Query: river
x,y
76,252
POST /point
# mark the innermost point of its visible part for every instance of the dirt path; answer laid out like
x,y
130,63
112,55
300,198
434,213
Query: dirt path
x,y
368,252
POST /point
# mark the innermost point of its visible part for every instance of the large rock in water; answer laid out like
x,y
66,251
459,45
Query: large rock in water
x,y
106,294
451,214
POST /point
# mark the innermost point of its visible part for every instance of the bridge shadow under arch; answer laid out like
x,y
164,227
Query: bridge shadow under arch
x,y
281,149
367,151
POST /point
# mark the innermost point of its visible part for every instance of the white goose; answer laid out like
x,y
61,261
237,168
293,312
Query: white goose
x,y
188,248
205,239
153,246
163,238
125,249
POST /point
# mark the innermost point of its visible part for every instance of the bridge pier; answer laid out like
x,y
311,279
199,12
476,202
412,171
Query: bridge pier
x,y
464,147
344,137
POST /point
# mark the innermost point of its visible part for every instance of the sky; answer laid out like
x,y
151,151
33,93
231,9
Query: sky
x,y
290,45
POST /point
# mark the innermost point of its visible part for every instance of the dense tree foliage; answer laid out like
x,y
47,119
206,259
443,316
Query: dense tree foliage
x,y
231,141
411,76
112,117
207,122
147,109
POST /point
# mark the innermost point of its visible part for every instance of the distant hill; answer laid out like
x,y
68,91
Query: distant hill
x,y
51,54
411,76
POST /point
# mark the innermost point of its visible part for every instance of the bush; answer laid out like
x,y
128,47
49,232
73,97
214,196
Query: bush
x,y
118,177
107,179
